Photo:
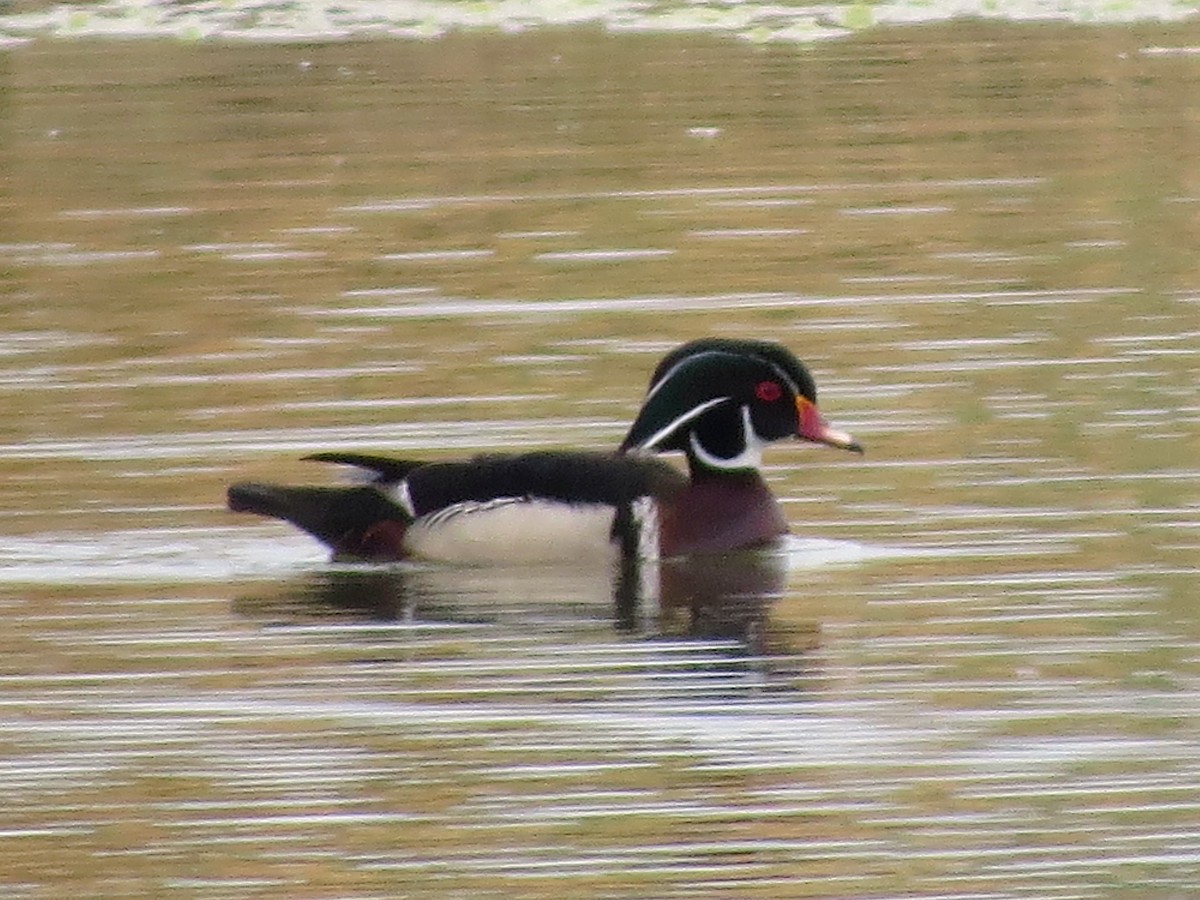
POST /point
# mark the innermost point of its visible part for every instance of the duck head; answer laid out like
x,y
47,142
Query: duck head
x,y
721,401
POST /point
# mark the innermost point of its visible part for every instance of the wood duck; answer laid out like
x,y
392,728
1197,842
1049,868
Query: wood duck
x,y
718,401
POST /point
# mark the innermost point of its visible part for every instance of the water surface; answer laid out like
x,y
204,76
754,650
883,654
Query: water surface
x,y
971,673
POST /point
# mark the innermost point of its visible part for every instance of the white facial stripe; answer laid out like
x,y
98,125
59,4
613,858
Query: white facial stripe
x,y
692,413
749,458
783,376
670,373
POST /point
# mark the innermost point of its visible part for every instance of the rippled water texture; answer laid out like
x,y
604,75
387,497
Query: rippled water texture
x,y
973,671
299,21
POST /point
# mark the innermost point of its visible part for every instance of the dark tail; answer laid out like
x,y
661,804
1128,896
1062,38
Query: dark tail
x,y
351,521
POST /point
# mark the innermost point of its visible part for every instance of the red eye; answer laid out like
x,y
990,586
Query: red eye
x,y
768,391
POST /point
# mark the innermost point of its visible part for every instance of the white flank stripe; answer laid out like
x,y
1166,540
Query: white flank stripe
x,y
399,494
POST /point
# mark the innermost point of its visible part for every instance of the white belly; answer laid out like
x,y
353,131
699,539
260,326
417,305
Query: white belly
x,y
516,532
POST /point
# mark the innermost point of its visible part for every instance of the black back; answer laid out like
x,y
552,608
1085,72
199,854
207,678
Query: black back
x,y
387,469
563,476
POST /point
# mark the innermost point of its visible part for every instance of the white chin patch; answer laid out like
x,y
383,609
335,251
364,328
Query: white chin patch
x,y
749,458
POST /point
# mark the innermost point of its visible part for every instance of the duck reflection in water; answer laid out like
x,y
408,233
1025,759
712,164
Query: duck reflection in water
x,y
704,547
725,597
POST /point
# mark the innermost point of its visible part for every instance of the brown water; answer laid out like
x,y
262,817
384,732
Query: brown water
x,y
973,673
